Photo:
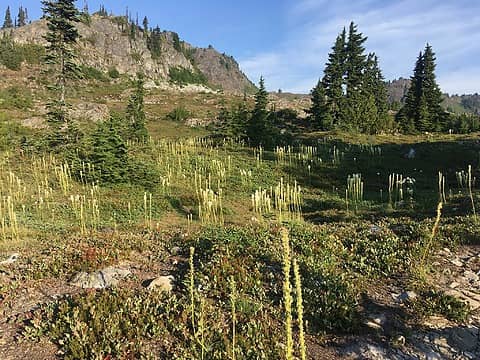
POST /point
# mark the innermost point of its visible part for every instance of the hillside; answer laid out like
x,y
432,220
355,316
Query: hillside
x,y
108,43
457,104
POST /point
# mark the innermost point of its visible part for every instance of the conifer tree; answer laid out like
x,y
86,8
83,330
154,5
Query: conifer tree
x,y
154,43
21,18
355,60
422,110
61,16
374,87
145,25
333,79
258,127
320,116
7,23
136,111
431,90
109,153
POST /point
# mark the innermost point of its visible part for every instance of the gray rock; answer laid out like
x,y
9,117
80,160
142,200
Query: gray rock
x,y
176,250
102,279
162,283
471,276
112,275
457,262
13,258
86,280
407,296
465,339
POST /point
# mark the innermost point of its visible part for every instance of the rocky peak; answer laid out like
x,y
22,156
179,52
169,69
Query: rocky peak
x,y
106,43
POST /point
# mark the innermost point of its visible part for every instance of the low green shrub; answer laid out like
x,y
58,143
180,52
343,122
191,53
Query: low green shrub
x,y
13,54
91,73
438,303
113,73
182,76
15,97
179,114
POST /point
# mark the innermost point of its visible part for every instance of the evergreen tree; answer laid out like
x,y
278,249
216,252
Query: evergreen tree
x,y
145,25
61,16
374,87
7,23
320,116
21,18
176,42
136,111
109,154
355,60
154,43
422,110
258,129
431,90
408,116
333,79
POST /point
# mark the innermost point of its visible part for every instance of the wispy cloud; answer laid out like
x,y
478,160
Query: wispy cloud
x,y
397,31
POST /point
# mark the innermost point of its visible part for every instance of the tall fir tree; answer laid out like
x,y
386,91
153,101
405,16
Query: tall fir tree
x,y
422,110
355,60
62,35
21,18
136,111
408,116
319,114
145,25
352,94
431,90
374,87
333,79
258,129
7,23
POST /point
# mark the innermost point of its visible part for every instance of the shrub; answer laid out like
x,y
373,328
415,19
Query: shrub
x,y
102,325
91,73
179,114
438,303
16,97
113,73
182,76
12,54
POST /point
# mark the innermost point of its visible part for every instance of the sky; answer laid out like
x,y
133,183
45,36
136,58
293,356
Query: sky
x,y
288,41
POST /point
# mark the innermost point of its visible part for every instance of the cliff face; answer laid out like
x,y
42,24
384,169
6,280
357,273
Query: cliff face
x,y
106,43
222,69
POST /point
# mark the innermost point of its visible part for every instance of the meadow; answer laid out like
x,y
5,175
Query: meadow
x,y
271,254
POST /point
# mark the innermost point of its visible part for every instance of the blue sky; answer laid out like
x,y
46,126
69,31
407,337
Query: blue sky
x,y
288,41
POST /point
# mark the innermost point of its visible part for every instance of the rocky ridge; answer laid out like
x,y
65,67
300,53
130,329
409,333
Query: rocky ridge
x,y
105,45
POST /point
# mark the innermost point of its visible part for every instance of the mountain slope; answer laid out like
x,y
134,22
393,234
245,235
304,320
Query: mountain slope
x,y
457,104
107,43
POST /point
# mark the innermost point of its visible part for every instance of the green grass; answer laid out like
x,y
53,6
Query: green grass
x,y
340,253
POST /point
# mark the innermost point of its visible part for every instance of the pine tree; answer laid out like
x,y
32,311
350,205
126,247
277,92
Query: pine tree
x,y
109,153
21,18
422,110
62,35
154,43
333,79
431,90
408,116
258,128
320,116
145,25
7,24
374,86
355,60
136,111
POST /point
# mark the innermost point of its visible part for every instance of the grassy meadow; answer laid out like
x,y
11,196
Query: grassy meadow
x,y
272,252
